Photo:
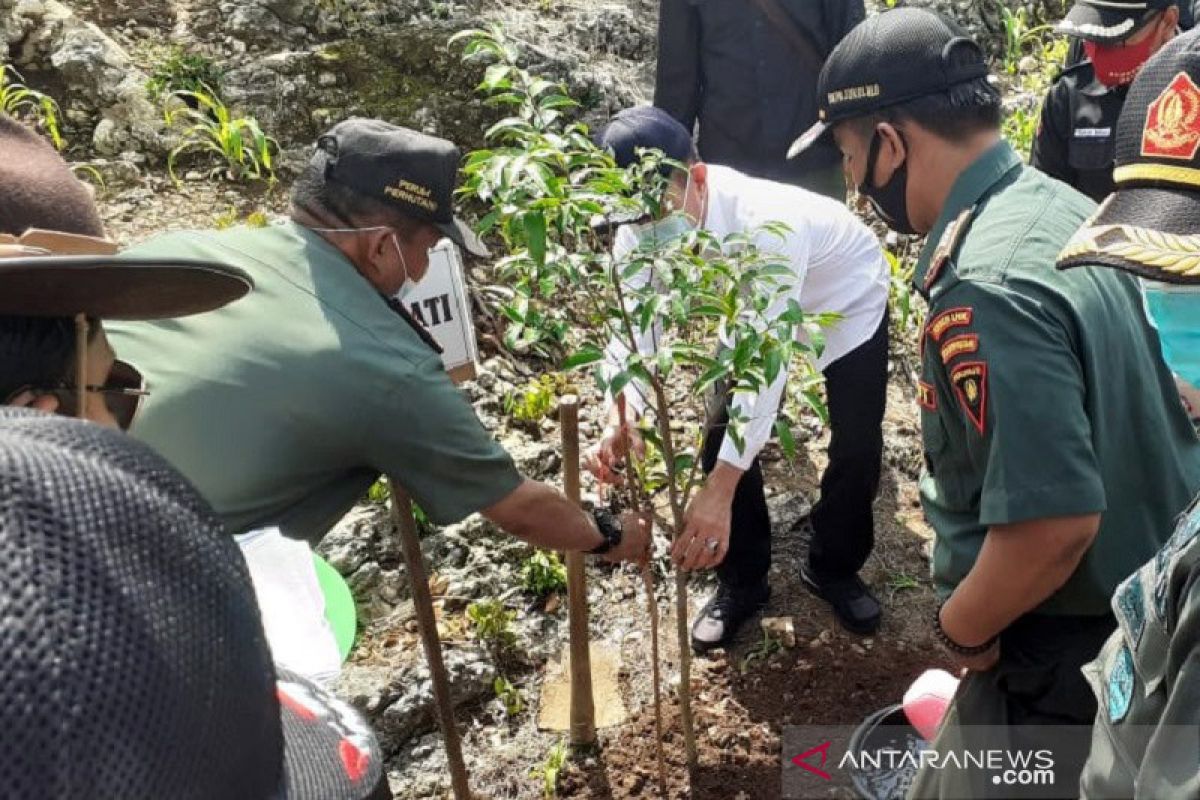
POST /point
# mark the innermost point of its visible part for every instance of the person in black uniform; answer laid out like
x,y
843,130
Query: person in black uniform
x,y
1074,141
746,70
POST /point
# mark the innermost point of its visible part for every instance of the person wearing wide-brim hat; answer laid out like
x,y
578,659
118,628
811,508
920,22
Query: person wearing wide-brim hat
x,y
1147,676
1057,455
1075,134
59,278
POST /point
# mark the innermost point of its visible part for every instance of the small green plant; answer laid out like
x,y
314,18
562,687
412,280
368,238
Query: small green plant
x,y
18,100
86,172
534,402
255,219
1020,128
551,769
768,647
543,573
509,695
208,125
493,625
182,71
904,312
379,493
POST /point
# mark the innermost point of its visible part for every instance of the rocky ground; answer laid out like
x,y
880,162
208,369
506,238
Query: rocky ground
x,y
299,65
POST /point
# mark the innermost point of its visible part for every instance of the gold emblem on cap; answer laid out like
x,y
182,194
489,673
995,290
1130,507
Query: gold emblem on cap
x,y
1172,127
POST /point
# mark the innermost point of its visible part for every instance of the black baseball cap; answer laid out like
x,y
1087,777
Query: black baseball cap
x,y
1110,21
412,171
1150,225
645,127
135,663
887,59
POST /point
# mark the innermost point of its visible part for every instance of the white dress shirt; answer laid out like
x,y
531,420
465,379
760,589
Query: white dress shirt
x,y
838,266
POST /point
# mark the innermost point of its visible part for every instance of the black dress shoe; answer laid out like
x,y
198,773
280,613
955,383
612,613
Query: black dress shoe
x,y
852,602
724,613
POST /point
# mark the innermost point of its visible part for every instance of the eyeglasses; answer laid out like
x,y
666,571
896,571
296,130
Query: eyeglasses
x,y
123,393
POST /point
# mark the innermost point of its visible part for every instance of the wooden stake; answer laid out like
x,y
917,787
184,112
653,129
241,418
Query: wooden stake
x,y
410,543
583,706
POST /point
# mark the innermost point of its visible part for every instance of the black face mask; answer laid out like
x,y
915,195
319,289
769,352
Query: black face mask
x,y
890,201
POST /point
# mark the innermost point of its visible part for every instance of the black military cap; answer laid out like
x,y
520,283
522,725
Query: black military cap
x,y
1109,21
888,59
1150,225
410,170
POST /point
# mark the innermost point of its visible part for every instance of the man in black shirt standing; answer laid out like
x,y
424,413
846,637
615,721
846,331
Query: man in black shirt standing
x,y
1074,141
732,65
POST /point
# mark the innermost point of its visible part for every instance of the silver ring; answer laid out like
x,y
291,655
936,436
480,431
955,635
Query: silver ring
x,y
712,545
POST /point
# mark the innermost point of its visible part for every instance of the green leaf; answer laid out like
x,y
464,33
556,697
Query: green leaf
x,y
786,440
588,354
772,363
535,237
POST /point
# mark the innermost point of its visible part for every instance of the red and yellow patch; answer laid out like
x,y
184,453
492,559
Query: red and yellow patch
x,y
1172,127
970,385
926,396
959,345
950,318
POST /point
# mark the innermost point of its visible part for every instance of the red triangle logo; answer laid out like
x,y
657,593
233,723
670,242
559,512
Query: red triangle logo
x,y
801,760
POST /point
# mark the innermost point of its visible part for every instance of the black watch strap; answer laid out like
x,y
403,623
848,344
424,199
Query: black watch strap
x,y
609,527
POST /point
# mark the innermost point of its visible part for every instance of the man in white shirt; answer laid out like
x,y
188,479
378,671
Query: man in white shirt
x,y
839,268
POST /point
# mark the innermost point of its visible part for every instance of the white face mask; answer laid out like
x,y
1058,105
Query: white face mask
x,y
675,224
409,284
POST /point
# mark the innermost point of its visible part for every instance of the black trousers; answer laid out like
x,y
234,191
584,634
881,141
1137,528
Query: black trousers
x,y
843,524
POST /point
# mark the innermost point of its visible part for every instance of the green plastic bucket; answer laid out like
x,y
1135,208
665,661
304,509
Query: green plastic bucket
x,y
339,605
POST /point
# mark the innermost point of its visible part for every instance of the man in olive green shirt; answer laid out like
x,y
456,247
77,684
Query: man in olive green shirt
x,y
1146,742
284,409
1056,452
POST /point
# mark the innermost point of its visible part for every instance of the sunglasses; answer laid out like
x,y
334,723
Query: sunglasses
x,y
123,394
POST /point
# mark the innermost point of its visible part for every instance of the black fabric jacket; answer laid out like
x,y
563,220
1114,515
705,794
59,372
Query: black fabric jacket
x,y
723,64
1076,137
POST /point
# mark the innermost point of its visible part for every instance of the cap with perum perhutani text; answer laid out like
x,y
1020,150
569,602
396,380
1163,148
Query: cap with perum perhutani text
x,y
891,58
412,171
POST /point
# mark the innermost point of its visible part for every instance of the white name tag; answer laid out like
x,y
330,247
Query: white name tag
x,y
1093,133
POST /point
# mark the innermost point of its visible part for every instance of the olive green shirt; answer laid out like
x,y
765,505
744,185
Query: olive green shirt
x,y
1146,741
1043,392
283,407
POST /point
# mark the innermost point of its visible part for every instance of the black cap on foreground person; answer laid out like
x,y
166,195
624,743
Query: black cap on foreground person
x,y
861,75
412,172
135,664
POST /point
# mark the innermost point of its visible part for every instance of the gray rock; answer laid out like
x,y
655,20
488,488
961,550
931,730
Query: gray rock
x,y
399,704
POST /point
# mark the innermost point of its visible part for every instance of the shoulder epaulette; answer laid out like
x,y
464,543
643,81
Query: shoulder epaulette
x,y
947,246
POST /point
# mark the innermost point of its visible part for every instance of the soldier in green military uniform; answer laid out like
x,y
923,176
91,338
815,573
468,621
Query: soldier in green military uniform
x,y
1146,742
1057,454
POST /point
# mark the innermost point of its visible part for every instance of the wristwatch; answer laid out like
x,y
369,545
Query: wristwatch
x,y
953,646
609,527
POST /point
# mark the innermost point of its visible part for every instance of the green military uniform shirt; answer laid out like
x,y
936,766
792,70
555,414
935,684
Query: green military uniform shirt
x,y
1146,741
283,407
1043,392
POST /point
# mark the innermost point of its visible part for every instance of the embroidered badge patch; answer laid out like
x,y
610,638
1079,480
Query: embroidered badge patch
x,y
926,397
1185,532
959,345
970,384
1173,122
1120,685
950,318
1131,602
947,245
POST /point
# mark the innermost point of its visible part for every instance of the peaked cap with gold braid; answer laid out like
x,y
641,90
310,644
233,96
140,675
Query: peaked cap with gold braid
x,y
1150,226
